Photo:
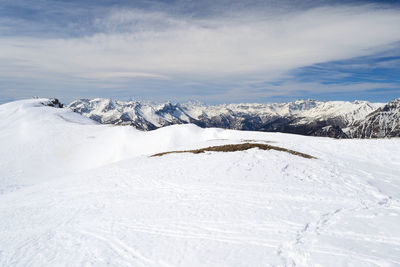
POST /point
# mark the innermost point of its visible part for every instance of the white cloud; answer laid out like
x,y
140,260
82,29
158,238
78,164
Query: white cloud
x,y
233,47
121,75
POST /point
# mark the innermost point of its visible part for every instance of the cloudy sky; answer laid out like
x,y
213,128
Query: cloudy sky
x,y
212,51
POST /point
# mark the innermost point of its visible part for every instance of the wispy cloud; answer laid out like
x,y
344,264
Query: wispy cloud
x,y
230,49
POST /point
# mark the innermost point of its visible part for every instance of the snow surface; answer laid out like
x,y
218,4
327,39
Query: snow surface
x,y
77,193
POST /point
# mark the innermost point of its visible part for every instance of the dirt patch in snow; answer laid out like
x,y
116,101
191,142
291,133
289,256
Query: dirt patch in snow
x,y
237,147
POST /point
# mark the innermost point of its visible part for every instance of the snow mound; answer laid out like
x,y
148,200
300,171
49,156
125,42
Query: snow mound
x,y
43,141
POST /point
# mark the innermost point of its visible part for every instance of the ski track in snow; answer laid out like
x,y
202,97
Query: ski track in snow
x,y
89,195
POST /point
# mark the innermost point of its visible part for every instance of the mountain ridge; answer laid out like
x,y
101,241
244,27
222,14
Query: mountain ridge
x,y
338,119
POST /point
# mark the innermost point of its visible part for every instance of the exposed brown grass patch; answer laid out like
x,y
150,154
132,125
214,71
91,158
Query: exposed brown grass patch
x,y
237,147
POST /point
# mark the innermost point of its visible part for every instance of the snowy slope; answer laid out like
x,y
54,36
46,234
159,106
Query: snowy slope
x,y
308,117
77,193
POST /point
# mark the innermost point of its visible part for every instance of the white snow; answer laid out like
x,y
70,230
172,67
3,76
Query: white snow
x,y
77,193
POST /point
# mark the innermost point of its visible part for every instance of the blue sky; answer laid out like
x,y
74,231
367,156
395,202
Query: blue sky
x,y
212,51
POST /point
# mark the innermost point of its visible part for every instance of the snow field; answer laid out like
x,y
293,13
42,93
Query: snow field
x,y
75,193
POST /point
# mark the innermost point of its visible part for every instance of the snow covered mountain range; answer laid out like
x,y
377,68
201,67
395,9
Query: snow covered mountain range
x,y
339,119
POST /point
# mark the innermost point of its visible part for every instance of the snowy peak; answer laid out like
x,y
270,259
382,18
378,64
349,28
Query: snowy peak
x,y
384,122
302,105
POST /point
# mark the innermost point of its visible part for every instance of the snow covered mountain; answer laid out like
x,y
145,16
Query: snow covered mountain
x,y
307,117
74,192
384,122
